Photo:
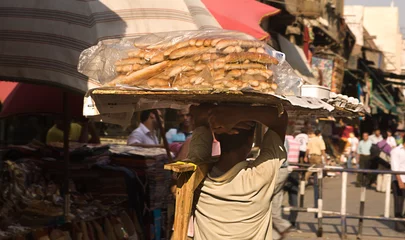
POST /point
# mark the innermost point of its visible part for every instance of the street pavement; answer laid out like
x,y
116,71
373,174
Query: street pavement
x,y
307,223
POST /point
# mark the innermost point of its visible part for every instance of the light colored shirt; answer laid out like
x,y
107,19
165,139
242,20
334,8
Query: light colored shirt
x,y
302,138
364,147
316,145
56,135
398,160
391,141
354,144
237,204
374,139
142,135
293,149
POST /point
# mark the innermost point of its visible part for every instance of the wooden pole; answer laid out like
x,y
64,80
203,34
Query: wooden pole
x,y
66,130
163,134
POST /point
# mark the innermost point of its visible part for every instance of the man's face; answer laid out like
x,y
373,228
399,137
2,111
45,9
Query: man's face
x,y
365,136
184,117
377,133
389,134
152,118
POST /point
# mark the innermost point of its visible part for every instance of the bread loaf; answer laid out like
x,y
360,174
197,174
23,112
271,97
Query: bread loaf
x,y
198,62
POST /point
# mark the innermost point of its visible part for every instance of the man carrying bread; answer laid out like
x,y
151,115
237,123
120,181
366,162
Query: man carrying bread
x,y
234,201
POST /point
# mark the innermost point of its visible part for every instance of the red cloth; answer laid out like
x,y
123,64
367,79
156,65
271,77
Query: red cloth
x,y
241,15
347,131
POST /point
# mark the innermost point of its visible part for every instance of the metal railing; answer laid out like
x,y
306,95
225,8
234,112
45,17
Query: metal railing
x,y
320,213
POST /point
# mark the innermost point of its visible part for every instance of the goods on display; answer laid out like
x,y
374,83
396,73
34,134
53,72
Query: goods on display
x,y
195,60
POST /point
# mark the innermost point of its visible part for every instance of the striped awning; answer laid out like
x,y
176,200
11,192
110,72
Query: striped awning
x,y
40,41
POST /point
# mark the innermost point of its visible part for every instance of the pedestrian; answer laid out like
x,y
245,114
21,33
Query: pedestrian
x,y
363,156
292,184
391,140
281,225
315,151
376,137
398,184
354,144
235,199
146,134
302,138
382,161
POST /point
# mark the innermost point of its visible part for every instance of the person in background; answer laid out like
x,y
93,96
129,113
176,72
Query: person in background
x,y
146,134
363,156
176,137
280,225
376,137
399,136
382,162
315,150
83,132
302,138
291,186
391,140
354,144
398,184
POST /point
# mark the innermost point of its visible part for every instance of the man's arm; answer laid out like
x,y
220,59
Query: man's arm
x,y
306,155
135,139
223,119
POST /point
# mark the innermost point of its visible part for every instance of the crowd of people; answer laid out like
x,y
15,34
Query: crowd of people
x,y
226,135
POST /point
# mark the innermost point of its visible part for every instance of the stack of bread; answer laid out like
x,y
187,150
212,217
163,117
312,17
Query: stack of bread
x,y
198,63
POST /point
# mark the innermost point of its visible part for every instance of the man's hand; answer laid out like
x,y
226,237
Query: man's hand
x,y
306,159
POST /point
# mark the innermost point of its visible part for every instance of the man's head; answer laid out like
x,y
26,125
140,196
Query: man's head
x,y
317,133
241,141
365,136
304,130
389,133
384,135
148,118
377,133
184,118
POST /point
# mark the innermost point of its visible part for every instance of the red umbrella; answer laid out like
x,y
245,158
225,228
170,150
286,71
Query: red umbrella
x,y
5,89
24,98
241,15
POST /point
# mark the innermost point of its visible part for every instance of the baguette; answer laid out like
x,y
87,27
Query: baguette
x,y
128,68
157,82
178,69
168,51
244,66
157,58
236,42
145,73
267,73
129,61
234,73
233,49
190,51
253,57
